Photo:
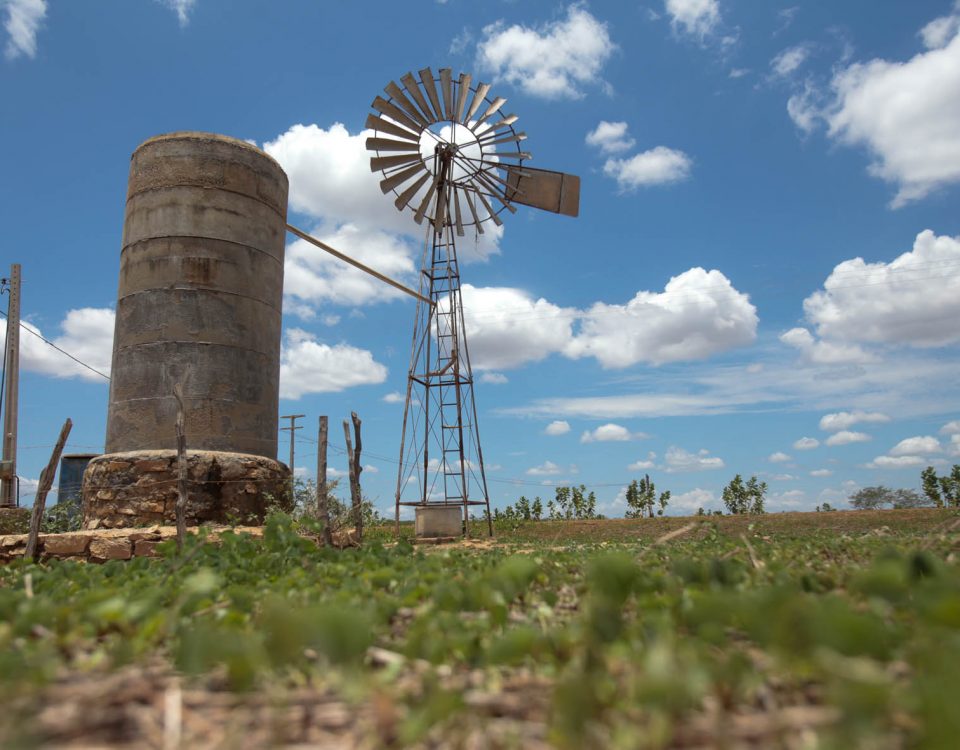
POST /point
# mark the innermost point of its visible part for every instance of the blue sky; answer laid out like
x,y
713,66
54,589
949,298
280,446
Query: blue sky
x,y
764,277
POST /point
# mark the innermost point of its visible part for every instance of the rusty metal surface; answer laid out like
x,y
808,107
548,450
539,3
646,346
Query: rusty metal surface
x,y
200,295
541,188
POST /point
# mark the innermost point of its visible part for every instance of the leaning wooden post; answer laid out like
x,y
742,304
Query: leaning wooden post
x,y
323,507
357,468
181,506
40,500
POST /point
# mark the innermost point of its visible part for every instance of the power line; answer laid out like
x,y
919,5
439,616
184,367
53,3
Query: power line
x,y
62,351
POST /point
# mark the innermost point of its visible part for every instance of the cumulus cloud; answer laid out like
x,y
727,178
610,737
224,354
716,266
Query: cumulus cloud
x,y
508,328
546,469
555,60
21,24
903,113
910,301
699,18
916,446
698,314
778,458
694,499
494,378
658,166
610,433
182,8
394,398
557,427
308,366
86,333
789,60
820,352
846,437
896,462
677,461
610,137
843,420
806,444
821,473
951,428
644,463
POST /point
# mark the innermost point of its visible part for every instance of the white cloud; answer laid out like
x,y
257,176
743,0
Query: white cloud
x,y
778,458
557,427
694,499
546,469
845,419
494,378
609,433
783,477
87,334
951,428
788,499
22,23
846,437
788,60
821,473
916,446
698,314
910,301
806,444
738,72
896,462
804,108
371,469
610,137
507,328
658,166
648,463
680,461
904,114
698,18
307,366
955,445
552,61
394,398
940,31
820,352
182,8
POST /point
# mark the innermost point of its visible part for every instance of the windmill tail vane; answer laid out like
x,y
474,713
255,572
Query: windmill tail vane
x,y
451,157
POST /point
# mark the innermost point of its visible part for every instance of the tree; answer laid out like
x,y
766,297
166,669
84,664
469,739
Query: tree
x,y
537,510
642,497
744,497
872,498
523,508
943,490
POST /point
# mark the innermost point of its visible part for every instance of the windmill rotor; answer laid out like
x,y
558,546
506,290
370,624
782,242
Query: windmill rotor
x,y
429,121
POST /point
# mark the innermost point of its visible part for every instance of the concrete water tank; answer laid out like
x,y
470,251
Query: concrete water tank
x,y
199,301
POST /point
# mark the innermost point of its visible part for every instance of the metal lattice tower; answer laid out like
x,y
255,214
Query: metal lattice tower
x,y
452,158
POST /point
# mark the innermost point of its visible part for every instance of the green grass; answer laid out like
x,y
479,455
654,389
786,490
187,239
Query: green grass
x,y
844,626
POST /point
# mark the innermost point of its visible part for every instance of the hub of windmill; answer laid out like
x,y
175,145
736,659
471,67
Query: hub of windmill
x,y
201,284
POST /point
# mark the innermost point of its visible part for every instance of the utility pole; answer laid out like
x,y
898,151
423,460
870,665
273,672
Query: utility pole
x,y
291,429
11,361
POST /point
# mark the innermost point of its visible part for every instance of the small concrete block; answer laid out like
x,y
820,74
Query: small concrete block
x,y
438,520
59,545
111,549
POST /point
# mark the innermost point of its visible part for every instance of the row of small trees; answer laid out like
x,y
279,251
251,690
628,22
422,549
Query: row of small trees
x,y
938,491
569,503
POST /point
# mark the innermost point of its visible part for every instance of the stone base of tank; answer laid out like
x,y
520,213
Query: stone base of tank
x,y
139,488
438,521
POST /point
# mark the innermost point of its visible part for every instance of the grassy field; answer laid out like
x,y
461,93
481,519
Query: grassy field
x,y
836,630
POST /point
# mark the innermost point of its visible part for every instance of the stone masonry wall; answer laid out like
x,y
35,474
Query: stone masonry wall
x,y
140,488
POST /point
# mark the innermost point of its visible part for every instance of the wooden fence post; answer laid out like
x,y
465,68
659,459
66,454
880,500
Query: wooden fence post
x,y
40,499
323,507
353,465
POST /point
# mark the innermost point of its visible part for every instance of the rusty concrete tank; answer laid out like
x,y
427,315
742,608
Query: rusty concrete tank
x,y
199,301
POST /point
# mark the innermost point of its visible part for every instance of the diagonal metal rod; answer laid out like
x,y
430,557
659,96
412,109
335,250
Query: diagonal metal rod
x,y
357,264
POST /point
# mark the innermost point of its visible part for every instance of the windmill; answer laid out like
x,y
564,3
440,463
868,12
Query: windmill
x,y
454,160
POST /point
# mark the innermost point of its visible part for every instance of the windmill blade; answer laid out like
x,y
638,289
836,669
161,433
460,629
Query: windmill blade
x,y
413,89
494,106
490,211
394,113
385,126
396,93
493,190
381,163
473,211
482,90
421,210
525,155
396,180
541,188
507,120
514,138
463,91
426,76
407,195
385,144
446,87
458,217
